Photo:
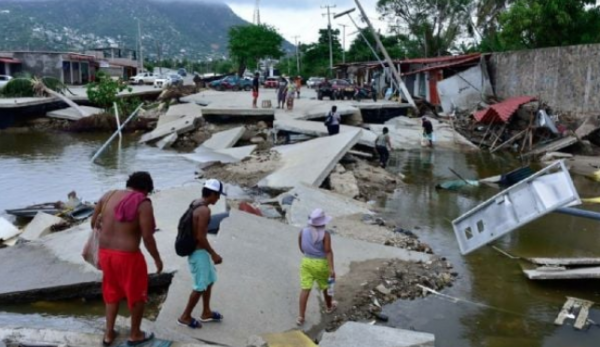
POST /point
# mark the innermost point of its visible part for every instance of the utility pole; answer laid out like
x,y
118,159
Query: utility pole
x,y
387,56
297,55
141,47
344,42
328,14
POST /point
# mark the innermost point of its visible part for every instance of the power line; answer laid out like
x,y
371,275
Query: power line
x,y
328,14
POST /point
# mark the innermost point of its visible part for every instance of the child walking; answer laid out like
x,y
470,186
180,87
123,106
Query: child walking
x,y
317,264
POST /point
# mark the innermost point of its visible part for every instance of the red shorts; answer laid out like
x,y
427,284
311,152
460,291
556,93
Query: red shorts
x,y
254,94
125,275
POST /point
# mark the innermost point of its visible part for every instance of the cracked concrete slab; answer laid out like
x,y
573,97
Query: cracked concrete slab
x,y
178,126
39,226
70,113
206,157
353,334
224,139
318,129
309,162
258,283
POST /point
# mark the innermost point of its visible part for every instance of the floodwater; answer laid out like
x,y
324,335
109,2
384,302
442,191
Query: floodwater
x,y
510,310
500,307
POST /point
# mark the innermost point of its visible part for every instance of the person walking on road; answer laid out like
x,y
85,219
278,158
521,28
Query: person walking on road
x,y
383,145
255,87
281,93
202,262
332,121
126,218
317,263
427,131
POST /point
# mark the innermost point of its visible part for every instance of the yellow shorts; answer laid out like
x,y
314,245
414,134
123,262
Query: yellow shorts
x,y
314,270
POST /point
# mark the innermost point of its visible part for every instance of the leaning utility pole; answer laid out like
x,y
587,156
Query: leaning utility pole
x,y
328,14
297,55
344,42
388,59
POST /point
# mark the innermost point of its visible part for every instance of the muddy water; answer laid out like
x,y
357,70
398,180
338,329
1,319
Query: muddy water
x,y
511,310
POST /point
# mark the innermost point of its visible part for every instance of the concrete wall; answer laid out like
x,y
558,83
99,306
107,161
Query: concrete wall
x,y
566,78
41,64
465,89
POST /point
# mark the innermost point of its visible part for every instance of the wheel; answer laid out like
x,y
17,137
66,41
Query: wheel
x,y
333,98
320,96
141,83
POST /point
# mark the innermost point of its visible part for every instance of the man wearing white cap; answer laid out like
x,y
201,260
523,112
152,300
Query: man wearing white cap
x,y
317,264
202,261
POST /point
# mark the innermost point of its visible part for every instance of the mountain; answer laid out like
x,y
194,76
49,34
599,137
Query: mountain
x,y
192,29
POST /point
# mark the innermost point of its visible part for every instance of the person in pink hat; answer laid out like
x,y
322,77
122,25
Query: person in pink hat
x,y
317,263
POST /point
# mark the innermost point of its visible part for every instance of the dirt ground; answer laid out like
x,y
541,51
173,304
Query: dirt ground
x,y
246,173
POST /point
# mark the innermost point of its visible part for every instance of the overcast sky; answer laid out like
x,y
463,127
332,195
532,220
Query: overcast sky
x,y
304,17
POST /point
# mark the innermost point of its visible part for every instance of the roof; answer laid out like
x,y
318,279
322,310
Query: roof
x,y
10,60
433,60
502,111
468,60
78,56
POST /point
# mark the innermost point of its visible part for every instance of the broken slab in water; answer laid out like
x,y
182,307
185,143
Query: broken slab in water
x,y
70,113
179,126
39,226
262,254
562,273
574,309
307,198
353,334
553,146
206,157
179,111
310,162
224,139
565,261
318,129
168,141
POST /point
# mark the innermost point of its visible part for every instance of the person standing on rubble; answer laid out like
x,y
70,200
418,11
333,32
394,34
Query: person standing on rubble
x,y
332,121
427,131
383,145
317,263
255,86
282,93
202,262
126,218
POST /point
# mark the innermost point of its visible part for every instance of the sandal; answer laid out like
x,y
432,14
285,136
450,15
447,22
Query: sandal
x,y
193,324
215,317
108,343
146,338
300,321
334,305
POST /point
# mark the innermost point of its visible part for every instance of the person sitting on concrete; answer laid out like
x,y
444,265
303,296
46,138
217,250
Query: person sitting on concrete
x,y
281,93
255,87
383,145
317,263
126,217
427,131
202,261
332,121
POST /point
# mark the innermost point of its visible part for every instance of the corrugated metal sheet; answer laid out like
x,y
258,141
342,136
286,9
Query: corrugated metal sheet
x,y
469,60
503,111
10,60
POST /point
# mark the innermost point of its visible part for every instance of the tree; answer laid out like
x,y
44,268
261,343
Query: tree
x,y
250,43
315,56
434,24
545,23
398,46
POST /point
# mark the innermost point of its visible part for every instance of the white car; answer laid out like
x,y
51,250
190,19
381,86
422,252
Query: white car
x,y
164,81
314,82
4,80
143,78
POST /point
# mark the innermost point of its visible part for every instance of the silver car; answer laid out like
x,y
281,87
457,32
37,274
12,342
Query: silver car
x,y
314,82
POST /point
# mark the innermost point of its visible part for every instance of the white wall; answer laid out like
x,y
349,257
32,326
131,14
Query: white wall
x,y
464,89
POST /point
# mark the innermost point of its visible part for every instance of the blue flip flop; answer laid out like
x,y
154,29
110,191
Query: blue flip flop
x,y
193,324
215,317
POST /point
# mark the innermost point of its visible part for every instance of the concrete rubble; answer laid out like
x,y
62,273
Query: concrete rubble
x,y
309,162
344,182
307,197
353,334
179,111
318,129
224,139
273,278
168,141
178,126
7,230
72,114
206,157
39,226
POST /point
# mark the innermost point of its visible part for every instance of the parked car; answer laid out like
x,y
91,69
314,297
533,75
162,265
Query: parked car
x,y
143,78
232,83
271,82
343,89
182,72
314,82
325,90
165,81
216,84
4,80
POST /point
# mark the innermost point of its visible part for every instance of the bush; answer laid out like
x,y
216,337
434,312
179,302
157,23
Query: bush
x,y
104,90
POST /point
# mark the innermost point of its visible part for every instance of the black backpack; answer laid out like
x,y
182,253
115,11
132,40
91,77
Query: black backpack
x,y
329,119
185,243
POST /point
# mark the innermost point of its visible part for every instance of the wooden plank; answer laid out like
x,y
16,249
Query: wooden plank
x,y
583,314
562,315
565,261
509,141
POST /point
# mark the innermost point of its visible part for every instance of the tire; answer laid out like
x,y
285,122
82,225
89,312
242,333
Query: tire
x,y
332,97
320,96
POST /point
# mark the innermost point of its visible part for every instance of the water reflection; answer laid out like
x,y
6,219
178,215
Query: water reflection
x,y
486,276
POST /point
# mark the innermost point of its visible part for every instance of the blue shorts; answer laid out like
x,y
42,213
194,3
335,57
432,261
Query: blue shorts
x,y
203,270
